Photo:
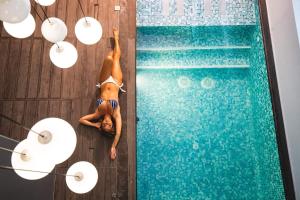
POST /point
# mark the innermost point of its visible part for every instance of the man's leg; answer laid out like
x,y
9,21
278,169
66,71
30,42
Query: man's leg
x,y
106,67
116,70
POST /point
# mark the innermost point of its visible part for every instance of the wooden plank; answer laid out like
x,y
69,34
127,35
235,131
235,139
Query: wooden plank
x,y
23,72
30,114
70,80
61,10
101,147
34,74
12,69
132,19
110,189
65,114
99,191
55,82
17,132
124,23
4,52
4,33
5,125
54,108
38,33
78,69
46,69
74,121
60,184
88,133
43,109
88,71
104,17
99,58
51,10
122,176
131,119
56,73
72,14
113,22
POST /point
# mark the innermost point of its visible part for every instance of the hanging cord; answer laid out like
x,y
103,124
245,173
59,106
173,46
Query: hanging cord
x,y
36,12
19,124
5,149
41,17
28,170
82,11
43,12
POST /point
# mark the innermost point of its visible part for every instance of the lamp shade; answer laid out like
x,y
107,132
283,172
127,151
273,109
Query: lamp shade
x,y
88,30
22,29
87,177
33,159
54,30
63,54
59,139
45,2
14,11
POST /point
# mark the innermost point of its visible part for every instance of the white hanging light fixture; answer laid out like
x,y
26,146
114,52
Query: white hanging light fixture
x,y
88,30
45,2
63,54
14,11
54,29
29,158
22,29
82,177
54,133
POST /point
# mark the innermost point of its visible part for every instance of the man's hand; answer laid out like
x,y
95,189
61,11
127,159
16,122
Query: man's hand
x,y
97,125
113,153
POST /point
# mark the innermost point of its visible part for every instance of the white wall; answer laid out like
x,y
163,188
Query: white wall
x,y
296,4
287,61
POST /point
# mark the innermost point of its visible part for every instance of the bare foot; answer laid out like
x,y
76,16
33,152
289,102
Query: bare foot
x,y
116,33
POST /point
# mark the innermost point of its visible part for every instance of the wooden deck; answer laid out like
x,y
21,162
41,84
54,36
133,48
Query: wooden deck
x,y
32,88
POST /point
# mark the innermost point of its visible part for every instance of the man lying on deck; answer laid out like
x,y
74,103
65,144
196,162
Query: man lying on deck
x,y
108,115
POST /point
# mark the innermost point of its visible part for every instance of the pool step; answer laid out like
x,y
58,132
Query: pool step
x,y
191,48
193,67
194,58
200,37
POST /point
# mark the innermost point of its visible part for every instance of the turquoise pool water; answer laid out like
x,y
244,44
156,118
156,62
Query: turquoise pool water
x,y
205,128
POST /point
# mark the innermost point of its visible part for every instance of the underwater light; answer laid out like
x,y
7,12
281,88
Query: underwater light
x,y
208,83
183,82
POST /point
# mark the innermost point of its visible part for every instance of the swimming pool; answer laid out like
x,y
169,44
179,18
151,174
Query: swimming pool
x,y
206,127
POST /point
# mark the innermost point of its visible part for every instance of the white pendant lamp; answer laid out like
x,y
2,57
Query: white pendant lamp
x,y
86,177
54,30
63,54
14,11
58,140
22,29
45,2
29,158
88,30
